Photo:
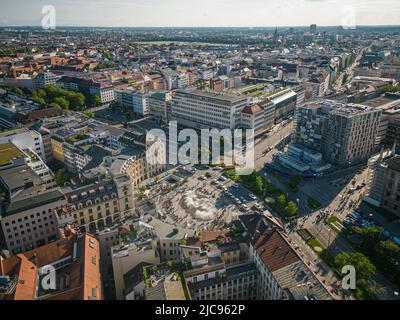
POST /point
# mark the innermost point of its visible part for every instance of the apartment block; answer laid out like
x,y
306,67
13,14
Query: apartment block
x,y
384,184
344,133
136,101
160,106
88,87
28,217
97,205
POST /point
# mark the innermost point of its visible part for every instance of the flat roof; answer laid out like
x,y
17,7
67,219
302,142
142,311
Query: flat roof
x,y
8,151
212,95
167,231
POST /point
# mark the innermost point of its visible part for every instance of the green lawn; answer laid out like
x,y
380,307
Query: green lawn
x,y
332,220
321,251
7,152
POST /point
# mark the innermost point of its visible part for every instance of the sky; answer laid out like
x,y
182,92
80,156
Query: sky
x,y
202,13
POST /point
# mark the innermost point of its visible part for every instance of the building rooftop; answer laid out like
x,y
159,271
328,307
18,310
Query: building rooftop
x,y
78,270
300,283
8,151
252,109
231,98
165,230
19,177
274,250
170,288
394,163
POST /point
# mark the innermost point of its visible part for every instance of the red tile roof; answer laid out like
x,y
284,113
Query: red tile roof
x,y
83,271
274,251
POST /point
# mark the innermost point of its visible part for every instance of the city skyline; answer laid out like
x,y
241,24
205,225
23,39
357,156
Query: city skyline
x,y
178,13
158,150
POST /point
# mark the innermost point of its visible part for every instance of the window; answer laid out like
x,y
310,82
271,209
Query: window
x,y
91,243
94,260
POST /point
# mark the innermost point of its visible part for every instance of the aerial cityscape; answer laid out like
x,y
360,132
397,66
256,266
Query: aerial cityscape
x,y
168,161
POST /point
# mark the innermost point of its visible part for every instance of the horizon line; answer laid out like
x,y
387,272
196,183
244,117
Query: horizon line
x,y
236,27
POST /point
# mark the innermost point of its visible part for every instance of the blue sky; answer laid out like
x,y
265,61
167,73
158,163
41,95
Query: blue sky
x,y
159,13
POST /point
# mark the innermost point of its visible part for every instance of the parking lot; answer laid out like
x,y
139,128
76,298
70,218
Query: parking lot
x,y
204,200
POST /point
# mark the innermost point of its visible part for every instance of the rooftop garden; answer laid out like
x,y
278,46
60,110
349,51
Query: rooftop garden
x,y
7,152
153,274
75,138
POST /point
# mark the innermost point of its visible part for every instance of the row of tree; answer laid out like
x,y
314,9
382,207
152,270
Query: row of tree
x,y
383,252
60,98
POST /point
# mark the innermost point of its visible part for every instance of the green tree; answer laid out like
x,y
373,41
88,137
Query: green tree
x,y
291,208
281,200
89,114
17,91
55,105
95,99
42,93
38,99
363,266
259,183
371,237
294,180
62,102
388,252
61,177
76,100
113,106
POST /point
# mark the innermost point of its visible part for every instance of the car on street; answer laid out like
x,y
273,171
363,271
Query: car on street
x,y
257,205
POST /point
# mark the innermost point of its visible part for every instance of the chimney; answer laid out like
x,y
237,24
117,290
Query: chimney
x,y
33,258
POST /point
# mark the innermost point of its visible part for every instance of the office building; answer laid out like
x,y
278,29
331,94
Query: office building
x,y
160,106
313,29
28,218
384,184
25,139
199,109
136,101
344,133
